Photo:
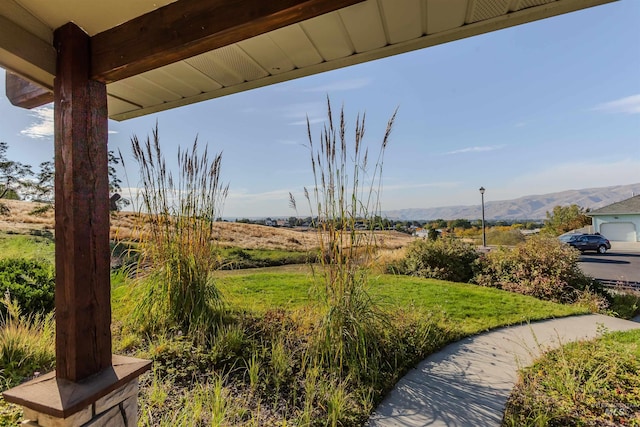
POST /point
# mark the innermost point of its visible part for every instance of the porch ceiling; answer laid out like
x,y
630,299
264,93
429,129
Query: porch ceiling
x,y
365,31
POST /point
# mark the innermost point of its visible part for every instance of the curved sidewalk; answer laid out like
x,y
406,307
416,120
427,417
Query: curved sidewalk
x,y
467,383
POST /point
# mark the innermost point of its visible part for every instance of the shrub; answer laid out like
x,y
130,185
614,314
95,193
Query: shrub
x,y
542,267
625,304
504,237
444,259
29,282
41,210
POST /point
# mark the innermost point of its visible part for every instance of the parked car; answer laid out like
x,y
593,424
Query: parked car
x,y
589,242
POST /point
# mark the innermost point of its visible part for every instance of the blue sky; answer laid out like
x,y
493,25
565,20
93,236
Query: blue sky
x,y
549,106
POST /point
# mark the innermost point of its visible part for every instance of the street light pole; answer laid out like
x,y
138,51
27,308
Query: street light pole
x,y
484,235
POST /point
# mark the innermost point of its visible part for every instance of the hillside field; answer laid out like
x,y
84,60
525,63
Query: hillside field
x,y
29,218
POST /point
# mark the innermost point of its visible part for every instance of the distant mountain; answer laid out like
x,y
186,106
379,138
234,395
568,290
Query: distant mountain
x,y
527,207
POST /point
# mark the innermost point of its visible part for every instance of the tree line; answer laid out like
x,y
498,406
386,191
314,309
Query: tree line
x,y
18,181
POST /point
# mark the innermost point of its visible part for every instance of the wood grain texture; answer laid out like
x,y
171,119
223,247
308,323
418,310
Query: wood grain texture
x,y
187,28
22,93
83,310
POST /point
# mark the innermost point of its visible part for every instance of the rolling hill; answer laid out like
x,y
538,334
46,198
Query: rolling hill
x,y
527,207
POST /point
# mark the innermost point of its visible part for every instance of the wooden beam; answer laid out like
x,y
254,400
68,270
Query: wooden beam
x,y
22,93
83,310
187,28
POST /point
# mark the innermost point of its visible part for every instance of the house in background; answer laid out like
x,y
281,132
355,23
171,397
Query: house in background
x,y
619,222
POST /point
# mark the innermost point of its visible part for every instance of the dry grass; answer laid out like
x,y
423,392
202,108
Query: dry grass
x,y
19,219
126,226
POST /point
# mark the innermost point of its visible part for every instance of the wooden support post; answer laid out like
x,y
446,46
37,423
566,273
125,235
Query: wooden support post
x,y
89,387
83,306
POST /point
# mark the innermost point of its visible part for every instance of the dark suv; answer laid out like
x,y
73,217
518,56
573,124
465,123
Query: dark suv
x,y
590,242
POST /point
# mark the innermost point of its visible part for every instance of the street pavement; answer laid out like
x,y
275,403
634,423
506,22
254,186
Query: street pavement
x,y
614,265
467,383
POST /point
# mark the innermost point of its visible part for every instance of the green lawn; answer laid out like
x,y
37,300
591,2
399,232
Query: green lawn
x,y
237,258
26,246
472,308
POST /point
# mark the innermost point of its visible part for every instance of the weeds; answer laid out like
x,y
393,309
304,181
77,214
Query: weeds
x,y
581,384
625,304
254,367
26,344
280,364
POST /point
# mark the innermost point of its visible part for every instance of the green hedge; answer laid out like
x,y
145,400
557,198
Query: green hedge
x,y
30,282
443,259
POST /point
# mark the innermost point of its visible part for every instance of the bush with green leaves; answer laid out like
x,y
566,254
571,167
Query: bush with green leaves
x,y
542,267
29,282
504,237
444,259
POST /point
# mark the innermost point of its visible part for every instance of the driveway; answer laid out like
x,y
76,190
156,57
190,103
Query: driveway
x,y
614,265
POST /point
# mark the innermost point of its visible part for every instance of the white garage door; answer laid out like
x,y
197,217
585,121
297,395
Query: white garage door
x,y
619,231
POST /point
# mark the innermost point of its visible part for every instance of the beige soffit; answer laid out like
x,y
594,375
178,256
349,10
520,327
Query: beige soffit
x,y
363,32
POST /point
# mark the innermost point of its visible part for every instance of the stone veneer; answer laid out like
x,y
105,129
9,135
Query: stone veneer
x,y
117,409
108,398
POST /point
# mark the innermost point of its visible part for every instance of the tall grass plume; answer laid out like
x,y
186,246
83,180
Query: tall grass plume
x,y
345,204
179,243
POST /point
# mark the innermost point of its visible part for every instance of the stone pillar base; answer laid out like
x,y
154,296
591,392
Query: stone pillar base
x,y
109,398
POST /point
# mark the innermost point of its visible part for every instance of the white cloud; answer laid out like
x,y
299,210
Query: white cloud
x,y
477,149
304,122
342,85
289,142
316,112
628,105
42,126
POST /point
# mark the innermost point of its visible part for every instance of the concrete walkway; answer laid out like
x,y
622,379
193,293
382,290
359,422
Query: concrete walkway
x,y
467,383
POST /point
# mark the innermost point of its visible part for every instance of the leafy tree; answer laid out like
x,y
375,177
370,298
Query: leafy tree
x,y
459,223
44,186
433,234
438,223
43,189
14,176
566,218
10,194
114,181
